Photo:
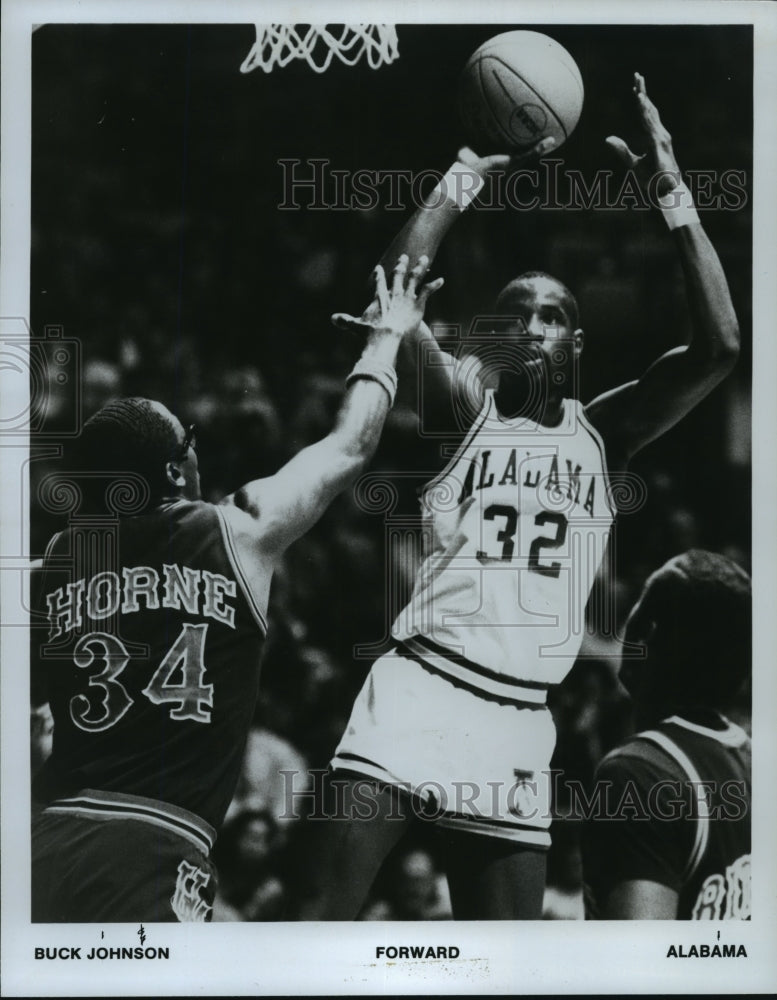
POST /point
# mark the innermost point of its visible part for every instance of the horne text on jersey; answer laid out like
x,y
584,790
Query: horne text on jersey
x,y
181,588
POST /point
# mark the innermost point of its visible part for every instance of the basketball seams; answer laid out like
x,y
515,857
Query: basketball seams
x,y
508,138
528,86
574,72
554,49
515,79
565,60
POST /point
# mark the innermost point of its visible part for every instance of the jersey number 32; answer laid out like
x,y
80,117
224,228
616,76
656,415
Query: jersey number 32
x,y
557,523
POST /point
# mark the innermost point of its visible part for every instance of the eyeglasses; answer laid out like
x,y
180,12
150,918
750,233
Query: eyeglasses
x,y
188,442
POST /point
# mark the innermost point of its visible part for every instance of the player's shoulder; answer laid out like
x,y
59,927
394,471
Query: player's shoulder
x,y
469,370
686,731
239,520
195,523
597,419
250,562
638,756
606,414
181,516
472,396
185,508
243,526
702,748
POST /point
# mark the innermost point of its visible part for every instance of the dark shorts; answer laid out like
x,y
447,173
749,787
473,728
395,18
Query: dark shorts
x,y
101,857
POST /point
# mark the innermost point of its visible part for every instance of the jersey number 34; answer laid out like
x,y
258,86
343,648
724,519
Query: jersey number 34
x,y
109,700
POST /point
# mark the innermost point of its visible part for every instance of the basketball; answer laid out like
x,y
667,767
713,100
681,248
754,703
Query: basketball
x,y
518,88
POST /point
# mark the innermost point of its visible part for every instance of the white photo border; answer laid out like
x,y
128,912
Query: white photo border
x,y
288,959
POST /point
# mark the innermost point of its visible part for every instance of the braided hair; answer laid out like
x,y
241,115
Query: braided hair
x,y
131,437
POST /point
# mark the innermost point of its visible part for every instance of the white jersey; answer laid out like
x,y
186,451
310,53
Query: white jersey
x,y
514,532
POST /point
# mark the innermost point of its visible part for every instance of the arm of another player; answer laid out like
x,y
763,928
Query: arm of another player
x,y
286,505
638,412
444,380
640,899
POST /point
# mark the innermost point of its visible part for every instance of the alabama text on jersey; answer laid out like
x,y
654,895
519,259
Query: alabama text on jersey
x,y
514,530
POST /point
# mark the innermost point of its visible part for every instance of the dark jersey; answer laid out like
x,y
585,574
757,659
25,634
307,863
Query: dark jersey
x,y
152,660
678,814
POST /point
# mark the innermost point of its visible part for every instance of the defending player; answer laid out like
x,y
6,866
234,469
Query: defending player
x,y
152,661
454,718
672,840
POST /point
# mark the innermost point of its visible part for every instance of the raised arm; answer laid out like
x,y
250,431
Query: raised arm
x,y
444,380
284,506
636,413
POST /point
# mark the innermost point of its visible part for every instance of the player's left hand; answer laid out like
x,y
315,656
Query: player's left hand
x,y
659,158
396,310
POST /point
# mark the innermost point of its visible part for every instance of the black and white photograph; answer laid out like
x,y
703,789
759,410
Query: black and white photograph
x,y
388,557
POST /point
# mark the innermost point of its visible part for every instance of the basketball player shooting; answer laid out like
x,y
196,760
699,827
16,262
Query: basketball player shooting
x,y
453,722
152,661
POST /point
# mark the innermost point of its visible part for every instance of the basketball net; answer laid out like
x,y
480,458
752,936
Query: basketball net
x,y
318,44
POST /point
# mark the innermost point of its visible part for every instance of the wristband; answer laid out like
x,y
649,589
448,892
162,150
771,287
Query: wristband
x,y
376,371
460,184
677,207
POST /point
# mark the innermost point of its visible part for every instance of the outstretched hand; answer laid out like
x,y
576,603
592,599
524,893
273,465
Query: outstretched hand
x,y
397,310
659,160
504,161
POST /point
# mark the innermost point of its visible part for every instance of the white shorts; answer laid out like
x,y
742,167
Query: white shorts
x,y
475,763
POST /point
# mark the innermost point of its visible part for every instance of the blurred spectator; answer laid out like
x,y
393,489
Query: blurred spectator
x,y
262,787
100,382
414,890
247,854
563,898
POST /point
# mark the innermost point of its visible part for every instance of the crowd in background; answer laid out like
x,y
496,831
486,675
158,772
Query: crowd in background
x,y
258,368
